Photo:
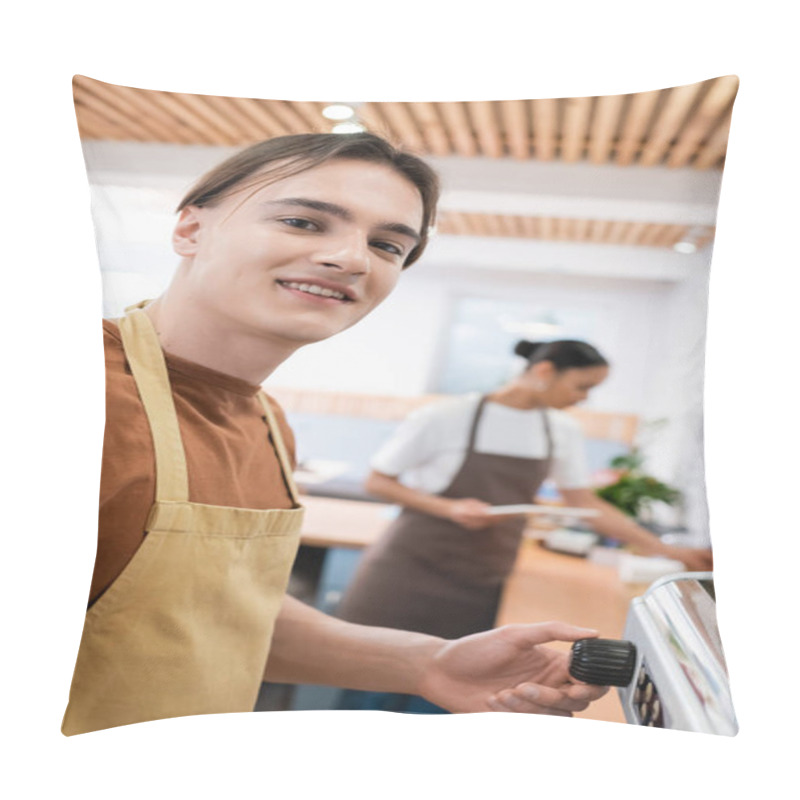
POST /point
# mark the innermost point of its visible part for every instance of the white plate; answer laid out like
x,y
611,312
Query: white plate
x,y
548,511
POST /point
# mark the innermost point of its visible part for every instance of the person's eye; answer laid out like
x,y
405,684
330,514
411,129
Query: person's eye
x,y
301,223
389,247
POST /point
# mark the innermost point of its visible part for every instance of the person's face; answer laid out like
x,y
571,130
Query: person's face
x,y
570,387
303,258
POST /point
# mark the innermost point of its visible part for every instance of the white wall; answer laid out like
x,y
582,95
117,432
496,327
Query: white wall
x,y
675,392
388,352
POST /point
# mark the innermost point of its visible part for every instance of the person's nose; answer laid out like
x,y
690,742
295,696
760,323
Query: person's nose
x,y
348,252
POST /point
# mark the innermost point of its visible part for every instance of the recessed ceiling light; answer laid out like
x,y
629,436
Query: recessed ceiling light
x,y
348,127
338,111
687,248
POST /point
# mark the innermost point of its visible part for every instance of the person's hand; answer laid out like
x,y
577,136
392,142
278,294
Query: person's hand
x,y
469,513
694,559
509,669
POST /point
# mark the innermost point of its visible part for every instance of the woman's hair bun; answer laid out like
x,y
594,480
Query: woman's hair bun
x,y
525,348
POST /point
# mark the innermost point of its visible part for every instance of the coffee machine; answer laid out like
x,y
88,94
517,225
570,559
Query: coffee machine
x,y
669,669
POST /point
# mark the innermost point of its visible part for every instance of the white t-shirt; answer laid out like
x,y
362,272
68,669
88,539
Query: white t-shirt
x,y
429,447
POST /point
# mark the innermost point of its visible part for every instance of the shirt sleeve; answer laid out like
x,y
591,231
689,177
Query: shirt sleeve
x,y
416,441
570,466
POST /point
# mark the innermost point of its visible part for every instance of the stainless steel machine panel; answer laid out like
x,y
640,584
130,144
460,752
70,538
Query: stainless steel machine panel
x,y
681,680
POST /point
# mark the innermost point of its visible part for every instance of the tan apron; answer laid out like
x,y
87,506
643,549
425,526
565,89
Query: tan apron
x,y
431,575
186,628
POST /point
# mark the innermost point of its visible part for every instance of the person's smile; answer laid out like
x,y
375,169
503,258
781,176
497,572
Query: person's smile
x,y
318,291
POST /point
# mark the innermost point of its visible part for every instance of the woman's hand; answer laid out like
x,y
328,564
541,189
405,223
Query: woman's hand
x,y
469,513
613,523
509,669
694,559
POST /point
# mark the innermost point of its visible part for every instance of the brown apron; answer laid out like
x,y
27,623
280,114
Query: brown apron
x,y
186,628
431,575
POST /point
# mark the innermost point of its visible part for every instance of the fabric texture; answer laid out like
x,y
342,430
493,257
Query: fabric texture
x,y
590,218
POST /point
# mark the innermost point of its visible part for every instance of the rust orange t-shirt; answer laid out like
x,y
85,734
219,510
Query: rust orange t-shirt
x,y
229,457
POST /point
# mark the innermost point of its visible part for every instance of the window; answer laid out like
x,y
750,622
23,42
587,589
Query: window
x,y
478,353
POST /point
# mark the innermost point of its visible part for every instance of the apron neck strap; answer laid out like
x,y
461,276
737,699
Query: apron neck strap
x,y
280,448
146,359
548,433
473,431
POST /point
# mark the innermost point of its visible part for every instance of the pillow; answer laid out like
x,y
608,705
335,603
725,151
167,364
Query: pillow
x,y
568,262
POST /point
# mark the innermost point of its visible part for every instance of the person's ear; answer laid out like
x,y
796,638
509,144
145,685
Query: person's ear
x,y
550,370
545,371
542,374
185,237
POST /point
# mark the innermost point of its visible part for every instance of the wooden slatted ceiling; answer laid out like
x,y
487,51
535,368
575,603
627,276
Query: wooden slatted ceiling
x,y
641,234
677,127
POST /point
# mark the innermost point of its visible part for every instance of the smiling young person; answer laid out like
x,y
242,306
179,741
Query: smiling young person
x,y
287,243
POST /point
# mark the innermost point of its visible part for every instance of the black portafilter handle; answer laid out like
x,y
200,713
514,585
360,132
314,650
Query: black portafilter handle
x,y
603,662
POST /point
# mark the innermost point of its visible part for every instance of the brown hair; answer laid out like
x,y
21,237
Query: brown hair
x,y
284,156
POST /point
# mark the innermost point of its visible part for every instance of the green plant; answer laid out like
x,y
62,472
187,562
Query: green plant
x,y
633,491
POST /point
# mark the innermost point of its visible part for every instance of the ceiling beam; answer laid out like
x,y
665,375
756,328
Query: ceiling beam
x,y
489,254
680,196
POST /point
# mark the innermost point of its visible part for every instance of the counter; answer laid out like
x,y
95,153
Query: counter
x,y
343,523
543,585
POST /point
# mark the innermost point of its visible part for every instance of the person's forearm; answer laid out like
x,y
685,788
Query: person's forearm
x,y
311,647
612,523
392,490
